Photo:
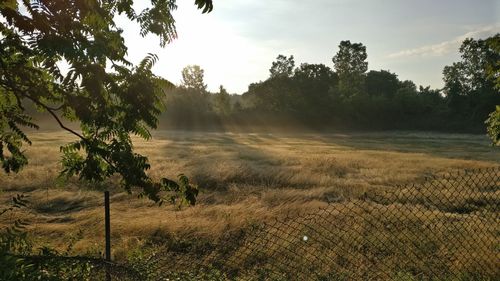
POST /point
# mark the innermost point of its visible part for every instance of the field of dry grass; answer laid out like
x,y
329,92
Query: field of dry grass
x,y
243,178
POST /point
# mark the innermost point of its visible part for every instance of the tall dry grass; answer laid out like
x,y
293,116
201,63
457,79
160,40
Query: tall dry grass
x,y
244,178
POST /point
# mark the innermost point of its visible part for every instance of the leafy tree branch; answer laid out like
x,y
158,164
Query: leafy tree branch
x,y
109,98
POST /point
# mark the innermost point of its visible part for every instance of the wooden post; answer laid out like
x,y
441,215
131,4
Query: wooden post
x,y
108,233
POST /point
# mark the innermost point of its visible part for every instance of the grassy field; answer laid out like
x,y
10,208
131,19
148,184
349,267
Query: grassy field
x,y
244,178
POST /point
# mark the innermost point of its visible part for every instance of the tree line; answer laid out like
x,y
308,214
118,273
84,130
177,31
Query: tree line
x,y
347,96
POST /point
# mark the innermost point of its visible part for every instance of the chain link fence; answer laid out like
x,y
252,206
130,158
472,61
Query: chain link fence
x,y
447,228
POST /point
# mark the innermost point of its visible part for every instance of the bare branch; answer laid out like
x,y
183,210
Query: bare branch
x,y
58,120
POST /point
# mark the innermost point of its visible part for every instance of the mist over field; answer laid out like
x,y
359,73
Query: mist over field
x,y
249,140
270,174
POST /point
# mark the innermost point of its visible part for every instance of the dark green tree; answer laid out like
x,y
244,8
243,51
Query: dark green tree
x,y
350,65
109,97
381,83
432,100
317,77
315,82
470,83
456,88
277,95
283,66
493,73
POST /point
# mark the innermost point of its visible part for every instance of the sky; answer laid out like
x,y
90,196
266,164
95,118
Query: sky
x,y
237,42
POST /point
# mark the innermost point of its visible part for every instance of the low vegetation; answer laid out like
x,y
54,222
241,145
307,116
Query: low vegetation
x,y
243,179
346,95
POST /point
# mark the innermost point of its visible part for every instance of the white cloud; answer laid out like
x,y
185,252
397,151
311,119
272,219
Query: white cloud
x,y
445,47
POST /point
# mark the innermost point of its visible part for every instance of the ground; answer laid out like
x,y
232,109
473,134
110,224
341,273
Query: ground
x,y
243,178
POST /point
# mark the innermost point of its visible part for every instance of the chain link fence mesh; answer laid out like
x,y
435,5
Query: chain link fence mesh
x,y
447,228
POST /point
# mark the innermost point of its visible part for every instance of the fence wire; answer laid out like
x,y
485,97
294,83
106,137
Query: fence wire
x,y
446,228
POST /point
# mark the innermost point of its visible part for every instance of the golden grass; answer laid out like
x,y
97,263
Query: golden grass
x,y
243,178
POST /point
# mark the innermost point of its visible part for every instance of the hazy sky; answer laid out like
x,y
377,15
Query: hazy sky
x,y
238,41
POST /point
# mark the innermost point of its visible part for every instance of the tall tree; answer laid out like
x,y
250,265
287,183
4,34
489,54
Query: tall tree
x,y
283,66
315,82
350,64
493,73
108,96
469,83
493,61
193,78
455,88
381,83
278,95
222,102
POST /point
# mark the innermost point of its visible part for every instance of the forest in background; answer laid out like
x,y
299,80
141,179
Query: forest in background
x,y
317,97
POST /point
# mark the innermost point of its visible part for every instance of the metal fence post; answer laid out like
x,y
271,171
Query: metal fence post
x,y
108,233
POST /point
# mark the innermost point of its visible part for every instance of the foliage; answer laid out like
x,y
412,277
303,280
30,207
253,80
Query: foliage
x,y
13,238
493,122
187,107
382,83
493,62
222,102
184,192
349,97
192,78
16,248
469,88
315,83
350,59
350,64
277,94
283,66
493,73
104,93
